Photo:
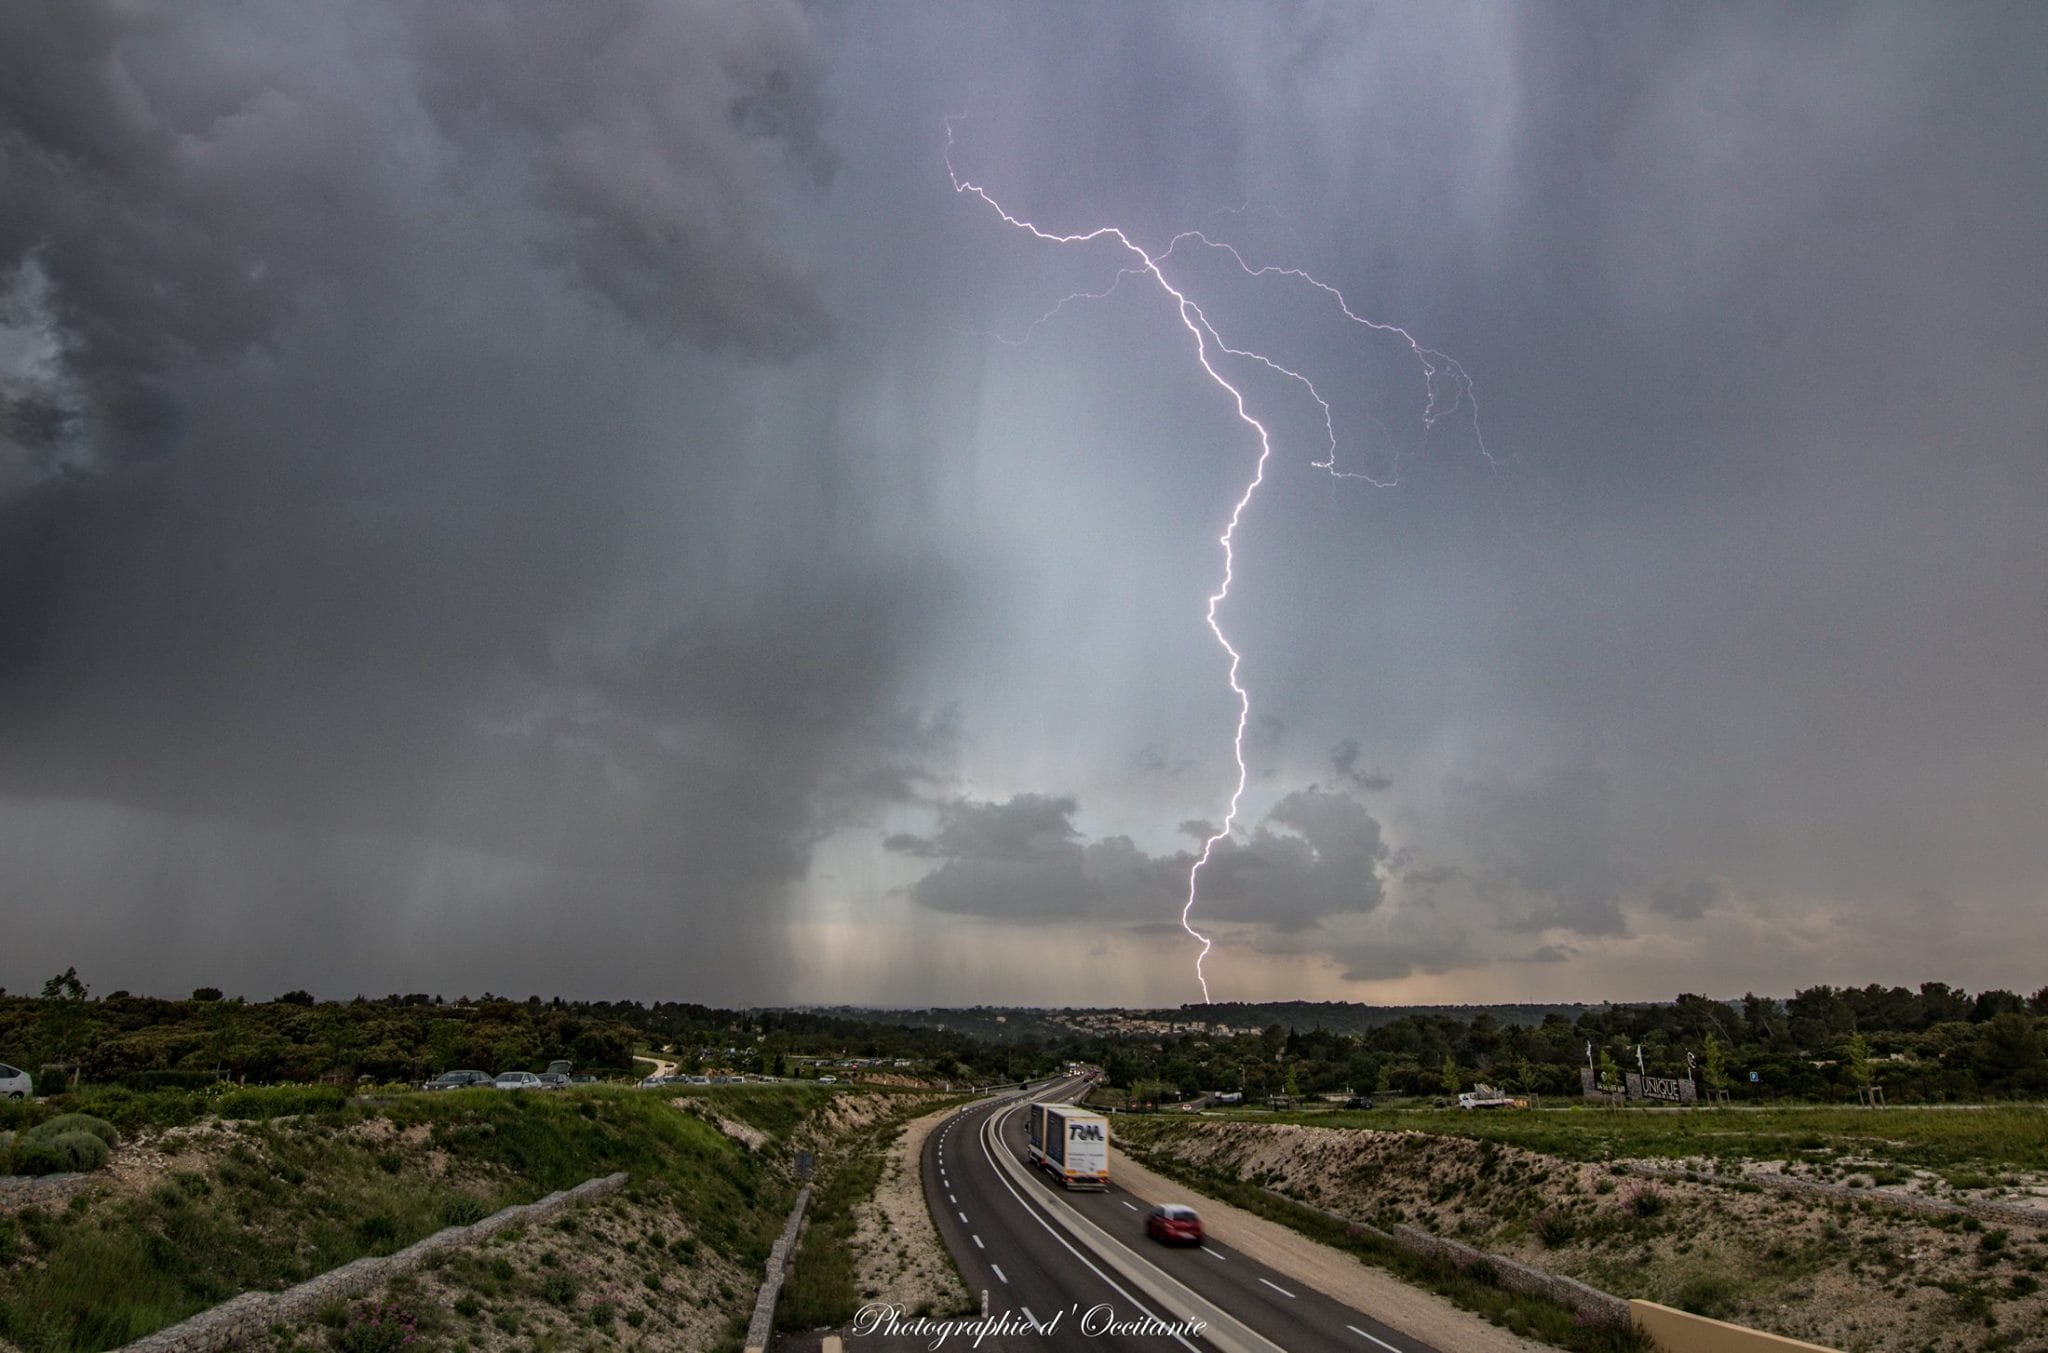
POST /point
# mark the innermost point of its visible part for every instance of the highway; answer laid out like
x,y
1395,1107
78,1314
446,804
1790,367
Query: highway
x,y
1005,1228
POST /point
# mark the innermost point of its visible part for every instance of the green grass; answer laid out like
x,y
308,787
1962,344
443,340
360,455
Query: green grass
x,y
2006,1137
294,1197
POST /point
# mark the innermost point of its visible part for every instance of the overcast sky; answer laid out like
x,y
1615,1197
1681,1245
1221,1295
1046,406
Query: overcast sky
x,y
571,499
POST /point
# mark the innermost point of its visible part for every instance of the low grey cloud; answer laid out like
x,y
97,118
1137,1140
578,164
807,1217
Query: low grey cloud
x,y
1315,855
1344,756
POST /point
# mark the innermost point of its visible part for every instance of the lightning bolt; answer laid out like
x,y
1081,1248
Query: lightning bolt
x,y
1447,389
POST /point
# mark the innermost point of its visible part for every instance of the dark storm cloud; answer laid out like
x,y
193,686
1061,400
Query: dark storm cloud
x,y
344,429
1344,756
1315,855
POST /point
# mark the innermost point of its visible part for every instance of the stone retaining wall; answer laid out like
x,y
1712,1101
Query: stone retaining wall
x,y
250,1315
1510,1273
777,1267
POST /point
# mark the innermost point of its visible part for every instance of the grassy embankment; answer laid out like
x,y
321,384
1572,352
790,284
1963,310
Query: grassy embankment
x,y
279,1185
1474,1288
1851,1274
822,1289
1970,1148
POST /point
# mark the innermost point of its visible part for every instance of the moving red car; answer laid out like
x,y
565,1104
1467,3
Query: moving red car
x,y
1174,1224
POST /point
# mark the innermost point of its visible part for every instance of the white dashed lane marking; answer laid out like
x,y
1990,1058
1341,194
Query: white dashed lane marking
x,y
1277,1287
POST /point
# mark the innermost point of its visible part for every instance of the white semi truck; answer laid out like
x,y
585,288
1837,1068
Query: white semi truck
x,y
1071,1144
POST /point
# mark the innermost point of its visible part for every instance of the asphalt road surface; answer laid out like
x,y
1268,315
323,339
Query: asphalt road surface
x,y
1006,1237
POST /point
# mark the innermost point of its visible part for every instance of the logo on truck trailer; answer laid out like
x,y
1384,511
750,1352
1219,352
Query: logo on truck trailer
x,y
1084,1132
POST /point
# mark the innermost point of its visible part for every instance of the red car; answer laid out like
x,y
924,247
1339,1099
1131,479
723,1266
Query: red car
x,y
1173,1224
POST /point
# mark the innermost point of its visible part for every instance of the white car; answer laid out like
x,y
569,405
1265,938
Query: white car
x,y
16,1084
517,1080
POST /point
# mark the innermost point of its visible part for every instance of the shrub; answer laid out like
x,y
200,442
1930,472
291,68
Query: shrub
x,y
1553,1227
377,1329
82,1151
464,1210
558,1288
52,1128
277,1101
37,1158
1710,1294
1646,1202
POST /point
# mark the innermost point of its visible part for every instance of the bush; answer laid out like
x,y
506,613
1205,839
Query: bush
x,y
53,1128
1553,1227
465,1210
36,1158
278,1101
377,1329
1646,1202
81,1151
558,1288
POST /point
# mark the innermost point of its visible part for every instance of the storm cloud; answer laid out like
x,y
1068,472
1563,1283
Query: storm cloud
x,y
570,498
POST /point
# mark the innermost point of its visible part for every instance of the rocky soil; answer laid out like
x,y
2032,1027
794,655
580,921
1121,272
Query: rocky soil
x,y
1855,1275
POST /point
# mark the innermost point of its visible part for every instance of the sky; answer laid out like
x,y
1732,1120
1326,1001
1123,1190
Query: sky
x,y
574,499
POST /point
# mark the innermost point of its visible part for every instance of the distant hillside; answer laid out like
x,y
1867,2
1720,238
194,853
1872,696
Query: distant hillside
x,y
1350,1017
1013,1024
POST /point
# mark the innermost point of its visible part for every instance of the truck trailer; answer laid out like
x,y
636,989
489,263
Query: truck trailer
x,y
1071,1144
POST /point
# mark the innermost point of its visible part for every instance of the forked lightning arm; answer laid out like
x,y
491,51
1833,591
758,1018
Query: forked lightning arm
x,y
1209,342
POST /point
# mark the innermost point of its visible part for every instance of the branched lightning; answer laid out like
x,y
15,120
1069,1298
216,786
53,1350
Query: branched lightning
x,y
1209,344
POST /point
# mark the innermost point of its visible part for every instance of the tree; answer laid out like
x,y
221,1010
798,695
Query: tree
x,y
206,993
1451,1079
1858,1065
65,986
1715,1060
1610,1074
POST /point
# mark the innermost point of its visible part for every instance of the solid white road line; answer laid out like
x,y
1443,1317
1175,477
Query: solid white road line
x,y
1374,1337
1276,1287
1065,1244
978,1245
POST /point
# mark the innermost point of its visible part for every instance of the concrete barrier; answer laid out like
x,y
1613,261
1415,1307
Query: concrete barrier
x,y
1674,1331
246,1319
780,1256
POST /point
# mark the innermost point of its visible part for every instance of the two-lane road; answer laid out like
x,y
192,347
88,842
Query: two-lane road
x,y
1008,1236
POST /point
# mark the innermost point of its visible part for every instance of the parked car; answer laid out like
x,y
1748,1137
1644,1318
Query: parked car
x,y
1358,1102
1174,1224
517,1080
16,1083
458,1080
554,1080
580,1079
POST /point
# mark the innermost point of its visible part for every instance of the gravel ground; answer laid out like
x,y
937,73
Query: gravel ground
x,y
902,1259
